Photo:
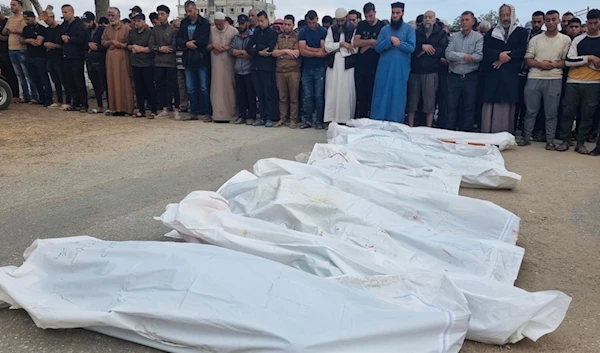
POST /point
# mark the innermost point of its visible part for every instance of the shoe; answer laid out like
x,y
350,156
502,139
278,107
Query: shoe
x,y
54,106
305,125
108,112
194,117
319,126
250,121
293,125
240,121
151,116
524,142
595,152
83,110
258,123
163,115
280,123
181,117
269,123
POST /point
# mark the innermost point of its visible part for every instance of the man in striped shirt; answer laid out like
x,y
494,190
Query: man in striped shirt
x,y
583,85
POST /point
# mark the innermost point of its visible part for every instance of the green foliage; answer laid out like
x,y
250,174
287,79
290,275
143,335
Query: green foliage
x,y
5,9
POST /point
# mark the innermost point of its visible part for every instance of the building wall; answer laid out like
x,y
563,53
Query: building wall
x,y
232,8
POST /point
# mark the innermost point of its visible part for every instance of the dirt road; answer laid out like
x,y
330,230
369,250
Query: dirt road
x,y
64,174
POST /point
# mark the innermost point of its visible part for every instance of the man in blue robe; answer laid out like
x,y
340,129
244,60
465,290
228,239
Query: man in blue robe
x,y
395,43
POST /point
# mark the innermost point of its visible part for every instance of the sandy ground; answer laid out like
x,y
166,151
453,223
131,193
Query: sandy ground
x,y
65,174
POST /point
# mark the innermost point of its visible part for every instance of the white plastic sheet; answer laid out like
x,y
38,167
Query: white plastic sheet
x,y
503,140
385,152
341,134
304,204
192,298
416,195
500,312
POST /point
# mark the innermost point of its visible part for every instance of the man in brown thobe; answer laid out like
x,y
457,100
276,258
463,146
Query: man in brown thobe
x,y
222,85
118,69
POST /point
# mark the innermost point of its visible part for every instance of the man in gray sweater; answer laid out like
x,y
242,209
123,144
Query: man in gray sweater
x,y
165,64
246,98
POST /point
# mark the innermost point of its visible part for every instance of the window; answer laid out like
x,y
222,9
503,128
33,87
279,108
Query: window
x,y
242,10
220,9
202,10
231,10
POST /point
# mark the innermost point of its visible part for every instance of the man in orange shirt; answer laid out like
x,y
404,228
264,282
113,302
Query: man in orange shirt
x,y
16,50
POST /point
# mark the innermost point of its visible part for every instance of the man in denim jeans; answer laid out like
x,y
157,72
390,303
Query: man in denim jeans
x,y
33,36
16,50
193,36
464,53
311,42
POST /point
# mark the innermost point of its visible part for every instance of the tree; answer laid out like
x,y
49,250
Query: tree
x,y
5,10
492,17
455,27
102,8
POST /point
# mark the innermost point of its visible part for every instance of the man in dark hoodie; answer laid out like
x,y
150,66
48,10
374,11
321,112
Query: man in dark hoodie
x,y
260,47
96,59
193,36
426,61
74,38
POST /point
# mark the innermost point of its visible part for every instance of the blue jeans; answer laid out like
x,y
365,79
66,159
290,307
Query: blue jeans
x,y
37,68
17,58
197,81
264,87
313,87
461,89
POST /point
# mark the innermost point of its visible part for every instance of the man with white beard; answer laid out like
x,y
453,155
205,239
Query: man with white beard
x,y
340,94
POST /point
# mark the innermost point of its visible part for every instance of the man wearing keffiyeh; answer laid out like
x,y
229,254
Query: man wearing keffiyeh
x,y
503,53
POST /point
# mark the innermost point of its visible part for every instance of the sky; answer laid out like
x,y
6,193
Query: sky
x,y
444,9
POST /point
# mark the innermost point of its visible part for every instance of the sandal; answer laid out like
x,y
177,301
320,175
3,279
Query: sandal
x,y
139,115
72,109
595,152
305,125
550,147
581,149
539,138
563,147
524,142
208,119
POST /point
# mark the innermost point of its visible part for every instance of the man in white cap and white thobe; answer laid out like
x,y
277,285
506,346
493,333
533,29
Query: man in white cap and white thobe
x,y
222,83
340,94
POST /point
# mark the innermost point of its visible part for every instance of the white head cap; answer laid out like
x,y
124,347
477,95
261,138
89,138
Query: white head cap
x,y
341,13
219,16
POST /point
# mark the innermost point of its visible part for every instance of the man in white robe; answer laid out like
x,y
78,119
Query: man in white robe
x,y
340,94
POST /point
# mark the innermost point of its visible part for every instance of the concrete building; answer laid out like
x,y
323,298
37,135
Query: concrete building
x,y
231,8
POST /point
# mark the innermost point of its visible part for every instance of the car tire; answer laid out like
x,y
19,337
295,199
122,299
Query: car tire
x,y
5,94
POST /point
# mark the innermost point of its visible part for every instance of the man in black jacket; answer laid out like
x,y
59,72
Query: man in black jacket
x,y
260,47
426,61
74,38
96,59
192,37
54,60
